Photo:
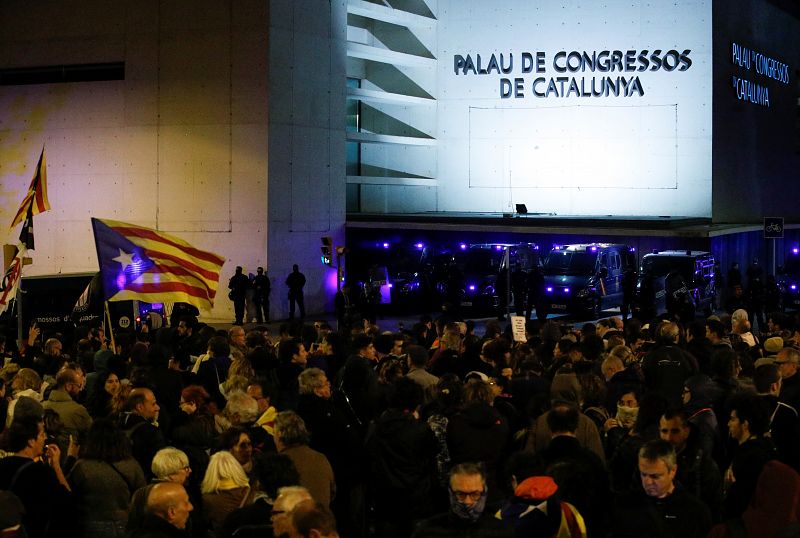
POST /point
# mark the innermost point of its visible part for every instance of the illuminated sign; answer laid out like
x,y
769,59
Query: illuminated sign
x,y
756,64
574,62
598,109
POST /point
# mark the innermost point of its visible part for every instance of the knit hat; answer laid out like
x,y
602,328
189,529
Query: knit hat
x,y
773,345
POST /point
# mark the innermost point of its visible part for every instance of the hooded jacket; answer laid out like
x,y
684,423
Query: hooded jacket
x,y
774,507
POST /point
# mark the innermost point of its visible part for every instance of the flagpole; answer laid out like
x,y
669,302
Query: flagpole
x,y
110,331
18,300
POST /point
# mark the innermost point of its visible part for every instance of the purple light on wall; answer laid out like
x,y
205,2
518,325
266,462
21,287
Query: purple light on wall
x,y
549,289
795,250
472,287
420,246
330,281
386,245
463,246
566,290
499,247
793,286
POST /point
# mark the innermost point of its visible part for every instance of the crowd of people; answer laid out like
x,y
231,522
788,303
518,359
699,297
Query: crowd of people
x,y
607,429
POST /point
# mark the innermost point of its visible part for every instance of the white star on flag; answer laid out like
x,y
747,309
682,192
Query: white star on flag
x,y
124,259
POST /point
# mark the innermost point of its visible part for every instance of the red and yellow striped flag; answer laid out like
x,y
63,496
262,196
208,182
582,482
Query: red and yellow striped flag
x,y
36,198
143,264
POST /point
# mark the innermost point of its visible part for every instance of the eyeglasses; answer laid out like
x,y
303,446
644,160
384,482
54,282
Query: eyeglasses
x,y
464,495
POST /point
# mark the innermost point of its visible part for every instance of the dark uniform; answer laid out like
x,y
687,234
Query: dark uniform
x,y
261,286
238,285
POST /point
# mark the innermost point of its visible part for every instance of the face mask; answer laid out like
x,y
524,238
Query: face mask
x,y
470,513
626,416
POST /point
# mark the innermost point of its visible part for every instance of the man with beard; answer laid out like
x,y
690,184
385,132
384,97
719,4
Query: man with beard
x,y
467,515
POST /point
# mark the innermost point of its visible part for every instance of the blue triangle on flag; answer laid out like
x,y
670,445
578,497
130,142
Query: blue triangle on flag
x,y
121,261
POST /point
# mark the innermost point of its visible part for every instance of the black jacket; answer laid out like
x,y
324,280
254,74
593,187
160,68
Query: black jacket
x,y
146,440
449,525
156,527
358,382
402,456
581,478
678,515
665,369
334,434
479,434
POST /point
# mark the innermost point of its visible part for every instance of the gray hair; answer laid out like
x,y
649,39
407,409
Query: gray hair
x,y
658,449
469,469
243,405
311,379
291,429
168,461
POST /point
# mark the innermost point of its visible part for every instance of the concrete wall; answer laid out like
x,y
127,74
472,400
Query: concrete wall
x,y
306,144
179,145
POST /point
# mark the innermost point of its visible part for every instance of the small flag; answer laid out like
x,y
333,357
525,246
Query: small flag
x,y
11,279
26,234
143,264
35,200
89,306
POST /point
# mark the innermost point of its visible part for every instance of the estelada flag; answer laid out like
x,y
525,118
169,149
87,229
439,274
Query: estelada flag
x,y
35,200
138,263
11,278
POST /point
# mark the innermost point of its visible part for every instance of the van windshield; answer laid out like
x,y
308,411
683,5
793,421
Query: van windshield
x,y
661,265
560,262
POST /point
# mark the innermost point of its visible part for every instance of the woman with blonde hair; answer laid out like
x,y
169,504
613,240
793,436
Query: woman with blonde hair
x,y
25,383
225,488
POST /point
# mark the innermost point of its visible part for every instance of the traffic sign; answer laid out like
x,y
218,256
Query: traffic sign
x,y
773,227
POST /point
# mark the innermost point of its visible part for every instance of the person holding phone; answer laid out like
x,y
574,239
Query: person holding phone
x,y
33,473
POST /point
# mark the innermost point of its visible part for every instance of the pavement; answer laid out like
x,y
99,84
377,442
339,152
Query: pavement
x,y
396,322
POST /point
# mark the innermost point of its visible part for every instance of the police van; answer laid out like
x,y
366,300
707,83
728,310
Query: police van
x,y
586,278
676,281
